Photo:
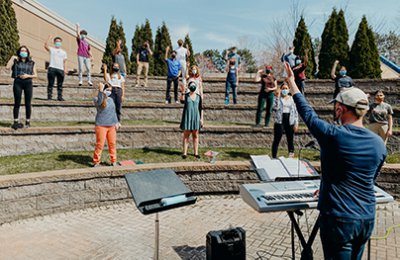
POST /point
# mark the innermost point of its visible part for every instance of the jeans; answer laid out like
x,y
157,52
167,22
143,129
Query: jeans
x,y
278,132
300,84
262,97
169,82
103,133
116,95
344,238
52,73
228,86
84,61
26,86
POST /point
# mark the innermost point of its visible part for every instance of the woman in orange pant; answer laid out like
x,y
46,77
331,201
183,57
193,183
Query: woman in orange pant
x,y
106,125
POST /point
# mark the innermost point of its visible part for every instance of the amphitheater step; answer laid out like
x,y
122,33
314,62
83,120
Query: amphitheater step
x,y
64,138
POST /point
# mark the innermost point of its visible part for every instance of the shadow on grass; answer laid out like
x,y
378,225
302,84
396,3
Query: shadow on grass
x,y
84,160
5,124
234,154
161,151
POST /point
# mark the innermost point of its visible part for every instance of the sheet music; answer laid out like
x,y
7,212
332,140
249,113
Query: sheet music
x,y
292,166
273,167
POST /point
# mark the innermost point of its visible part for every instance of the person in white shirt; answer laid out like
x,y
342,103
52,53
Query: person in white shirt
x,y
181,55
117,81
57,67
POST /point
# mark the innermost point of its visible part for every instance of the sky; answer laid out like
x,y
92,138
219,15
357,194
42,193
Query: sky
x,y
220,24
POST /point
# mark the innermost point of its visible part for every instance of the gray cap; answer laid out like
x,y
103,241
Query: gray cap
x,y
353,97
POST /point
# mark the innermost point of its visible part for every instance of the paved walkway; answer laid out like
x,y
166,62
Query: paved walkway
x,y
121,232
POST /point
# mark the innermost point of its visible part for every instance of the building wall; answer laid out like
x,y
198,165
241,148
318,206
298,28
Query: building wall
x,y
35,23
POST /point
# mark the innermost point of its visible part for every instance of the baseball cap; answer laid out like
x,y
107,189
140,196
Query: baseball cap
x,y
268,67
353,97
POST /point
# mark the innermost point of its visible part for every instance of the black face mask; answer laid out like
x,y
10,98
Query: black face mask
x,y
115,69
268,71
173,56
192,88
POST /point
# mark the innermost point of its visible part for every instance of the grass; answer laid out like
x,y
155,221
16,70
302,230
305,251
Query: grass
x,y
83,159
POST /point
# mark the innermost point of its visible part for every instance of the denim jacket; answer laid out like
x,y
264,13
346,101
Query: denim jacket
x,y
278,108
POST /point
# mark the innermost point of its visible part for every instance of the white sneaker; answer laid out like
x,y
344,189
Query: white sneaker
x,y
177,102
291,155
80,83
166,102
90,83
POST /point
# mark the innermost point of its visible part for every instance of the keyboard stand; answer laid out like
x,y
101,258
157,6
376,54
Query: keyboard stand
x,y
306,253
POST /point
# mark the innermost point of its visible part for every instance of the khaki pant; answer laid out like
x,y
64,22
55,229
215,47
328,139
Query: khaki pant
x,y
145,67
379,129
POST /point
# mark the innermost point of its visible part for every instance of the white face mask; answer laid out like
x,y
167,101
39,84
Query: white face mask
x,y
194,72
107,92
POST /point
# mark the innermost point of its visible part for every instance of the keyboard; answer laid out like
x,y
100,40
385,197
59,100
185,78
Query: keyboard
x,y
290,195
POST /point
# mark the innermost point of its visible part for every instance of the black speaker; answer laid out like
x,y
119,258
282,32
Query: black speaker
x,y
226,244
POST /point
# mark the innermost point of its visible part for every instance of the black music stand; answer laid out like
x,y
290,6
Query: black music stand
x,y
158,190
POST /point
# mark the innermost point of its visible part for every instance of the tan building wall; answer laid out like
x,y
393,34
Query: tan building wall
x,y
35,23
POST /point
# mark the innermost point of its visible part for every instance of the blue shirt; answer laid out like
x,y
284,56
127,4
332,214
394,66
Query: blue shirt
x,y
173,67
105,116
351,158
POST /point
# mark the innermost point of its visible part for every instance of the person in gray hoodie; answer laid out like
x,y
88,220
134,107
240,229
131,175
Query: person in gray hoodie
x,y
106,125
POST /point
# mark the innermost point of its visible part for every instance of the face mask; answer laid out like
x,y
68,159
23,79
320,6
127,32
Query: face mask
x,y
58,44
285,92
268,71
343,72
23,54
83,36
291,51
107,92
298,62
379,98
115,69
192,88
173,56
194,72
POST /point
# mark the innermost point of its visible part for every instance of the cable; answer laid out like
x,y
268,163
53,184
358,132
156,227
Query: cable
x,y
389,230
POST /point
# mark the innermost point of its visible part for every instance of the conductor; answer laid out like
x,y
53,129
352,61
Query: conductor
x,y
351,158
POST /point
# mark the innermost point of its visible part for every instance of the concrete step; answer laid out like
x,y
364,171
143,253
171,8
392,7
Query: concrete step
x,y
44,110
51,139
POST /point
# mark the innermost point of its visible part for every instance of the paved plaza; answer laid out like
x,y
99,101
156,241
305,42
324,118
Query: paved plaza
x,y
121,232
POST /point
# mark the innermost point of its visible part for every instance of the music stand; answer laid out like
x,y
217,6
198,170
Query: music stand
x,y
156,191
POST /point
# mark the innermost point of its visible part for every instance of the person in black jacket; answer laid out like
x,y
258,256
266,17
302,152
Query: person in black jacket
x,y
23,71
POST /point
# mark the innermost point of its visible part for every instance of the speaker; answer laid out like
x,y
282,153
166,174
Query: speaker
x,y
226,244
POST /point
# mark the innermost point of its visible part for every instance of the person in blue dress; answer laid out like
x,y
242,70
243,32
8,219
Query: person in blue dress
x,y
192,120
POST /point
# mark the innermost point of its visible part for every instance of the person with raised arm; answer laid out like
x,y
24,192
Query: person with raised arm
x,y
351,159
299,70
120,58
268,86
174,68
182,53
84,55
142,60
117,83
57,67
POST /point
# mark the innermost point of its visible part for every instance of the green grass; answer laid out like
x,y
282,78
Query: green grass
x,y
83,159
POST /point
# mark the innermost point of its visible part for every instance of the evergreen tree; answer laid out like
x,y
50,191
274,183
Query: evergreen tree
x,y
247,60
301,42
113,36
364,58
163,40
375,60
122,37
342,40
146,34
9,40
328,52
188,42
135,49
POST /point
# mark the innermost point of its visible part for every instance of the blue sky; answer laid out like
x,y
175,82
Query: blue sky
x,y
218,24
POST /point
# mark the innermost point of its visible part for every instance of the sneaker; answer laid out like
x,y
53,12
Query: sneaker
x,y
90,83
80,83
17,125
115,164
27,124
226,102
291,155
197,156
137,85
60,99
257,126
166,102
184,156
49,98
177,102
95,165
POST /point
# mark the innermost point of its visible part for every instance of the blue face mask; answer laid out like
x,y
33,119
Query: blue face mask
x,y
298,62
343,72
23,54
58,44
285,92
107,92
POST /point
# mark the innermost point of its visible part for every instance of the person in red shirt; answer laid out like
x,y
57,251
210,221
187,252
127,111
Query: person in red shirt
x,y
299,71
268,87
